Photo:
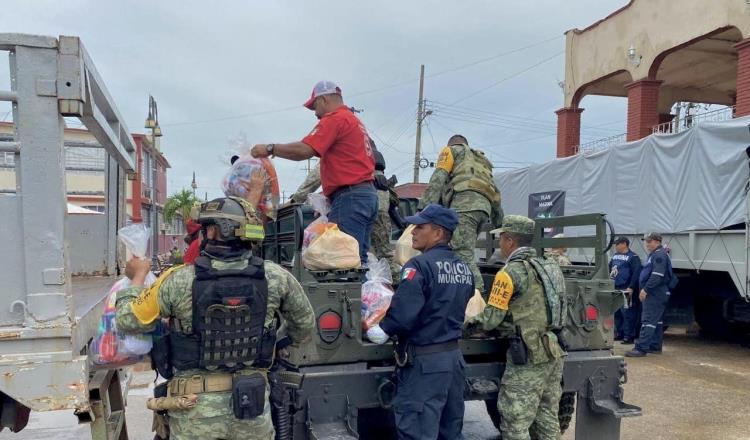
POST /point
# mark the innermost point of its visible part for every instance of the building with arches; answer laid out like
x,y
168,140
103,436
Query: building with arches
x,y
656,53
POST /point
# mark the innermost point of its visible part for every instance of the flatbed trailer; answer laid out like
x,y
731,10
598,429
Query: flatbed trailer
x,y
57,268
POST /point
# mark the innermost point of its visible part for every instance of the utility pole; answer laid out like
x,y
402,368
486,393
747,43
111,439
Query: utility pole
x,y
420,118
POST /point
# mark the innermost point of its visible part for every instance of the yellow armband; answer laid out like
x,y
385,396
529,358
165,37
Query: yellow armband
x,y
145,306
502,291
445,160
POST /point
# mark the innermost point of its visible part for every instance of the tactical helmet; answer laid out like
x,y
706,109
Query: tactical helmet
x,y
235,218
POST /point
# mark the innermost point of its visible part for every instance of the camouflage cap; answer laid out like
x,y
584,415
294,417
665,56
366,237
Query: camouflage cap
x,y
517,224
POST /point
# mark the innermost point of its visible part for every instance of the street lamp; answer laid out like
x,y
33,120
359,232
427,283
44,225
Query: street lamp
x,y
152,122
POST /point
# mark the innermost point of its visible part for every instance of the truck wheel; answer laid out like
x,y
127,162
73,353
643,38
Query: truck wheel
x,y
565,412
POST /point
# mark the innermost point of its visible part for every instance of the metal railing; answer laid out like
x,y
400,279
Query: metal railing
x,y
684,123
601,144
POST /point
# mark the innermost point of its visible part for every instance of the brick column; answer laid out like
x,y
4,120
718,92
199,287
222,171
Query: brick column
x,y
743,78
568,131
643,108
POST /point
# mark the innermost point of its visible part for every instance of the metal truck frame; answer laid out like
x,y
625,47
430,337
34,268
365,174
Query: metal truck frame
x,y
47,315
343,384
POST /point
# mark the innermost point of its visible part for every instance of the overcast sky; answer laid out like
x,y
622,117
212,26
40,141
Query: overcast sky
x,y
246,67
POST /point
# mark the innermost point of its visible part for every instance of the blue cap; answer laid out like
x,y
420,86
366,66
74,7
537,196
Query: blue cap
x,y
437,215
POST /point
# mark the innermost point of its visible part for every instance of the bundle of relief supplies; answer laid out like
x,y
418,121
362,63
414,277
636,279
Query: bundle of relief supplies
x,y
377,292
111,346
404,252
254,180
475,306
324,246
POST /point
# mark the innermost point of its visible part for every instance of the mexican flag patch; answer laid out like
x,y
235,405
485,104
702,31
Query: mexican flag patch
x,y
408,274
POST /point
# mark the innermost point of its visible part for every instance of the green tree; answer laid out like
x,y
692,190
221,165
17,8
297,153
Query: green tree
x,y
180,202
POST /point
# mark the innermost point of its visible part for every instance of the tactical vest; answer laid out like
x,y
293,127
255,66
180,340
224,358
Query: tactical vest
x,y
528,312
474,173
228,325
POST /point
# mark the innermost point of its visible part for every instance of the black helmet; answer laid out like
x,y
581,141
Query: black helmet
x,y
235,218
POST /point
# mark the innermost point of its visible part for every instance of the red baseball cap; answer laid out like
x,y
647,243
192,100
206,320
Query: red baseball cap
x,y
320,89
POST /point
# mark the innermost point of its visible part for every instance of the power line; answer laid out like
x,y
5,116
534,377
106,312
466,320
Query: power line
x,y
365,92
511,76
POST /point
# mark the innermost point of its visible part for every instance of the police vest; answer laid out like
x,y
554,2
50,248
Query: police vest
x,y
474,173
229,313
528,311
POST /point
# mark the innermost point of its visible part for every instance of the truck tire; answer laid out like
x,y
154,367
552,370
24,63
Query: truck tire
x,y
565,414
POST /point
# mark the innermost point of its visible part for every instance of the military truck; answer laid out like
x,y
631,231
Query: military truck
x,y
56,267
339,385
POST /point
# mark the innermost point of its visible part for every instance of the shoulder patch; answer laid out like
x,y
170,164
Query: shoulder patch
x,y
408,274
445,160
502,291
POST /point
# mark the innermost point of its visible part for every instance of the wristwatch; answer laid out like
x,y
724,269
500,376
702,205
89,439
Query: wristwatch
x,y
269,149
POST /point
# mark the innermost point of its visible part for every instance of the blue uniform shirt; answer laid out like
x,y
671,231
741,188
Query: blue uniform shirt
x,y
429,305
656,272
628,270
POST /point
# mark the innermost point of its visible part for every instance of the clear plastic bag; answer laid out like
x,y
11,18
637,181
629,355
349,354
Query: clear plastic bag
x,y
110,346
377,292
242,181
404,252
318,226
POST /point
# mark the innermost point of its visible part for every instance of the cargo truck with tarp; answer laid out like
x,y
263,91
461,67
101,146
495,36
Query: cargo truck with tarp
x,y
692,187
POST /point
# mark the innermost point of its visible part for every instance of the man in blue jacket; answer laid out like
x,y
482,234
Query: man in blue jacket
x,y
427,316
654,282
625,269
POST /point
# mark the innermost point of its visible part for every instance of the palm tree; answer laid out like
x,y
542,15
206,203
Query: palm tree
x,y
182,201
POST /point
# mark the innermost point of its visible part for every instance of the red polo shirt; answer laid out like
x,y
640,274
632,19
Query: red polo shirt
x,y
343,145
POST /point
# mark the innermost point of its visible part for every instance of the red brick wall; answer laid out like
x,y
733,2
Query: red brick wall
x,y
643,108
568,131
743,78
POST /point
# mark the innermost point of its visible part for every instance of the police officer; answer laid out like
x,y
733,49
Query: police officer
x,y
426,315
530,389
223,380
624,269
654,294
463,181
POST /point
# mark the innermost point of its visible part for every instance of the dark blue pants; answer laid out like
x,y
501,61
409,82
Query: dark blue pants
x,y
354,210
652,326
627,321
429,402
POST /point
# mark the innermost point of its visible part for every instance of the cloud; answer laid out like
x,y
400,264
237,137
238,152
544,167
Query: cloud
x,y
212,61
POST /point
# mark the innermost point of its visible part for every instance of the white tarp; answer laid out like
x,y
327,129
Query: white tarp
x,y
694,180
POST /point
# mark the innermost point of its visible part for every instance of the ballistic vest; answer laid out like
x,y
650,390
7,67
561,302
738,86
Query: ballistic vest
x,y
229,313
474,173
529,312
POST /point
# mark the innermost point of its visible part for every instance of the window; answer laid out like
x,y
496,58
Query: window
x,y
96,208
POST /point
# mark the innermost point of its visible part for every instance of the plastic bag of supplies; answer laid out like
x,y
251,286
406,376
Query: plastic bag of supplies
x,y
110,346
332,250
318,226
253,179
475,306
404,252
376,292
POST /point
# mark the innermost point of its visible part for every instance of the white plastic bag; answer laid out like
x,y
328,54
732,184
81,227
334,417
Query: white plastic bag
x,y
404,252
238,182
475,306
377,292
135,238
332,250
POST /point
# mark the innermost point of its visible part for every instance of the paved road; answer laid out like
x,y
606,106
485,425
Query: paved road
x,y
698,389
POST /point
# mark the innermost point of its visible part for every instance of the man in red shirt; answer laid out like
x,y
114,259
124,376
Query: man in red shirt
x,y
347,163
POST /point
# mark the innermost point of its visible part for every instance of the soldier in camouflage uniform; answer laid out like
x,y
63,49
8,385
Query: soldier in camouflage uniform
x,y
238,280
463,182
530,389
309,185
559,254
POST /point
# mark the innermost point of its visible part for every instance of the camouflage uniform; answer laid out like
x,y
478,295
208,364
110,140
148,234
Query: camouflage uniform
x,y
559,257
473,206
529,394
309,185
212,416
